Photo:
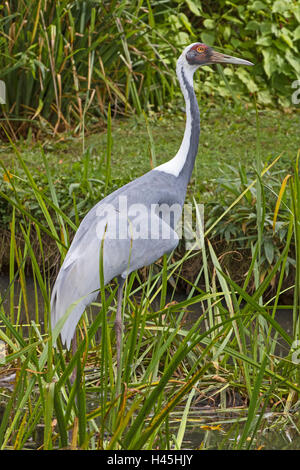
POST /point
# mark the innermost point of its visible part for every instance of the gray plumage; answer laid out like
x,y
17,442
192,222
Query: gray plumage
x,y
79,274
137,239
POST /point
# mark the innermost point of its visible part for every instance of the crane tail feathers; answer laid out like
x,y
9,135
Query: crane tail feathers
x,y
72,306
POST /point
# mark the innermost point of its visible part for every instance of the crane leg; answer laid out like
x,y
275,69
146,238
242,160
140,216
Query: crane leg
x,y
118,321
74,349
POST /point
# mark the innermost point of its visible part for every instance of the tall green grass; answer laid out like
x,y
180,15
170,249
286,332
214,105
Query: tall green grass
x,y
170,360
63,63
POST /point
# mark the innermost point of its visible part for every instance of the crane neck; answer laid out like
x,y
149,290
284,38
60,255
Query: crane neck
x,y
182,164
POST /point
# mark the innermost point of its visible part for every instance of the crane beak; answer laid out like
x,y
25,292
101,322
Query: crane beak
x,y
218,58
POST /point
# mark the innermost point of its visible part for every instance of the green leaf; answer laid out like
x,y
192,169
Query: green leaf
x,y
252,26
194,6
209,24
227,32
182,39
258,5
233,19
293,61
236,43
269,62
264,97
264,41
265,27
186,23
297,33
287,40
208,38
246,78
49,405
296,12
269,250
280,6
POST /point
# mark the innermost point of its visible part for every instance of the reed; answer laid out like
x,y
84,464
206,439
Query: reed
x,y
169,361
64,62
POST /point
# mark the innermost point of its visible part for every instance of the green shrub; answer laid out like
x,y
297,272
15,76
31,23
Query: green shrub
x,y
265,32
63,62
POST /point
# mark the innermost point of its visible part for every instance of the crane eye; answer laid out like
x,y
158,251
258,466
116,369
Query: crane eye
x,y
200,49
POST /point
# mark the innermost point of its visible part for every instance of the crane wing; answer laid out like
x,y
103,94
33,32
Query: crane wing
x,y
129,243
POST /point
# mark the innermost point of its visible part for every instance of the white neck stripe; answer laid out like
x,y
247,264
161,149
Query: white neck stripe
x,y
175,165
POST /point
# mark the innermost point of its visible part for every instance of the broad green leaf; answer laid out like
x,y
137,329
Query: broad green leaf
x,y
280,6
186,23
258,5
209,24
227,32
287,40
297,33
296,11
269,61
294,61
264,97
208,38
194,6
246,78
269,250
252,26
264,41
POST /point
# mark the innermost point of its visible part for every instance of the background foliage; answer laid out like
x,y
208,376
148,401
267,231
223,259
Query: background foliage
x,y
64,61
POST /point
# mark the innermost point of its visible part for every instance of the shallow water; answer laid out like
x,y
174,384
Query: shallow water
x,y
226,429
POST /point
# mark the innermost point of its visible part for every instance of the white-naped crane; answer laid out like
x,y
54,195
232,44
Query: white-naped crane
x,y
132,238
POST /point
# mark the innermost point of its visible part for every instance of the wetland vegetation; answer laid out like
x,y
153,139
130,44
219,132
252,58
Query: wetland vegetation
x,y
207,361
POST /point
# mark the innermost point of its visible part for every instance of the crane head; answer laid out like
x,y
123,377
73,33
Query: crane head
x,y
200,54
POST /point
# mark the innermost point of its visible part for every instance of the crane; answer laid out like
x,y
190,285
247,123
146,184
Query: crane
x,y
130,224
